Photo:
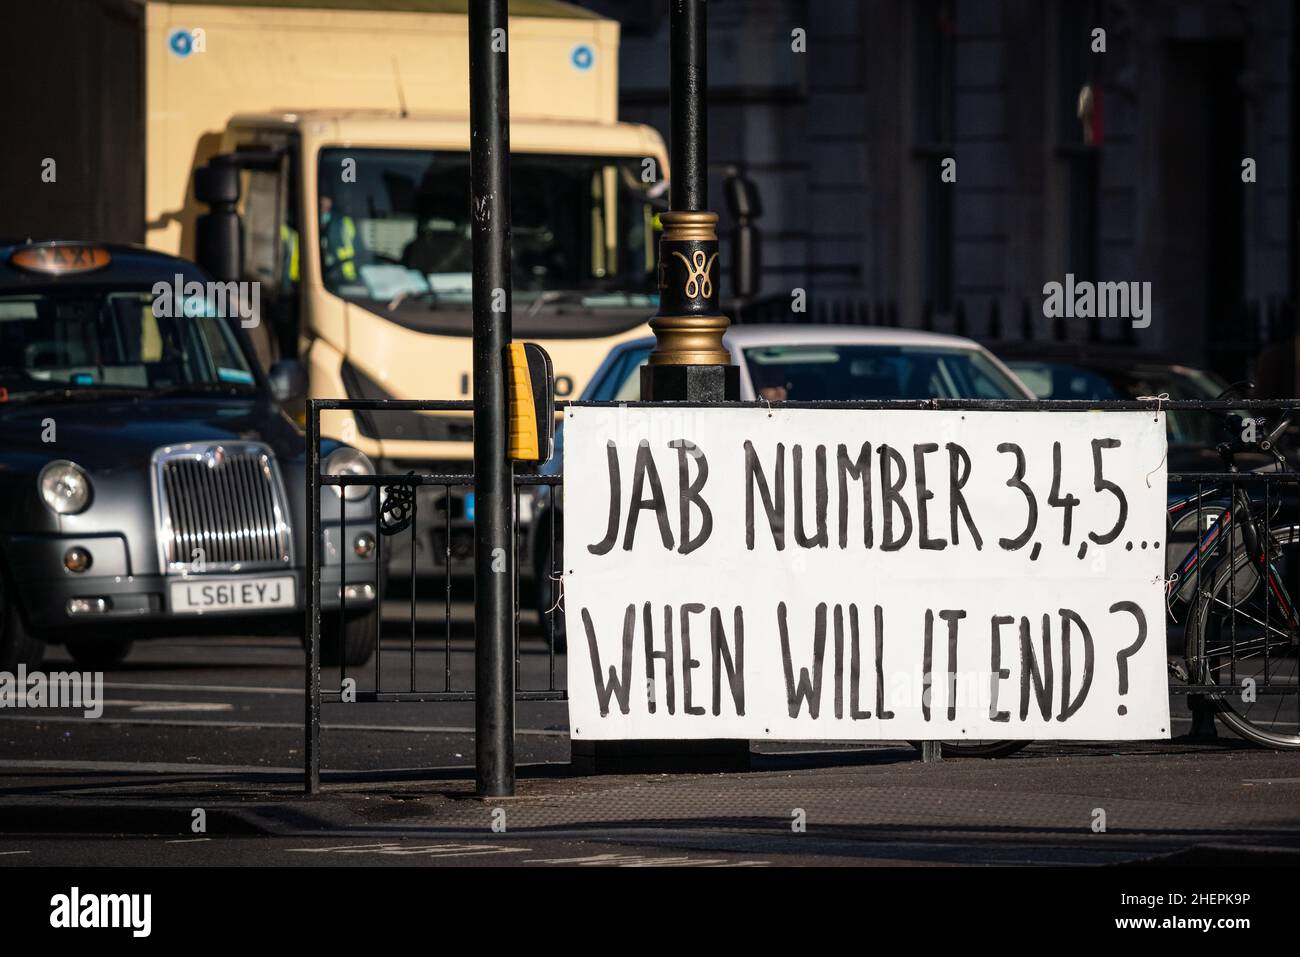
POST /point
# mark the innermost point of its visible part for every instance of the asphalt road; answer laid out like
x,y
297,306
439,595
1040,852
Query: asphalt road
x,y
216,724
239,701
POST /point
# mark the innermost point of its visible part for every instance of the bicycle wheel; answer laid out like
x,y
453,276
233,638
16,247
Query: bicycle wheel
x,y
976,749
1239,638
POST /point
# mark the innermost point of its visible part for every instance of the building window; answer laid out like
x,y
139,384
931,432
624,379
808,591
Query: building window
x,y
1080,131
933,89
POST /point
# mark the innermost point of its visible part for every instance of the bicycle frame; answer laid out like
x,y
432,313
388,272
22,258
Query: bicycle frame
x,y
1255,544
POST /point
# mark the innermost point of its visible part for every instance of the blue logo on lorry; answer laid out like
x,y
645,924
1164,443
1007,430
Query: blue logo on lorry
x,y
582,56
180,42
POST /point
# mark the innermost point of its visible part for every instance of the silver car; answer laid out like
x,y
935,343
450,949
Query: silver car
x,y
783,363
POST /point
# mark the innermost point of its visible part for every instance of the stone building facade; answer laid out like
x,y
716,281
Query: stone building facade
x,y
1107,139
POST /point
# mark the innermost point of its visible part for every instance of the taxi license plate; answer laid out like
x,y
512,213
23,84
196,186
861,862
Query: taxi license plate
x,y
208,595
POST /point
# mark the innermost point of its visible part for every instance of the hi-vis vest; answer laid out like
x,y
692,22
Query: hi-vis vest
x,y
289,240
344,251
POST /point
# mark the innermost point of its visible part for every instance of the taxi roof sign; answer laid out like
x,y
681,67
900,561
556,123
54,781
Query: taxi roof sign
x,y
61,259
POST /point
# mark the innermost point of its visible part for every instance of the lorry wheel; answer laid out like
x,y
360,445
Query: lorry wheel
x,y
17,646
357,642
99,654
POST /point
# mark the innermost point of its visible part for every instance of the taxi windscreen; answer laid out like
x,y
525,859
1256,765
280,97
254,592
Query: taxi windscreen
x,y
87,342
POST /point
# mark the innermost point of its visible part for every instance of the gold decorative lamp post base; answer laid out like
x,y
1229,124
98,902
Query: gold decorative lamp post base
x,y
689,361
689,327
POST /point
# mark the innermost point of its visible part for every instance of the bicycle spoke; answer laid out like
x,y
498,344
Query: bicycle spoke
x,y
1239,643
1268,678
1252,618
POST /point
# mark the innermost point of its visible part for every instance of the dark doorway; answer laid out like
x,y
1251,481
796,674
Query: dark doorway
x,y
1201,146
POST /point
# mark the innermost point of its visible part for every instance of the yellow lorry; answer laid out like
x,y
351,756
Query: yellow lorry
x,y
335,134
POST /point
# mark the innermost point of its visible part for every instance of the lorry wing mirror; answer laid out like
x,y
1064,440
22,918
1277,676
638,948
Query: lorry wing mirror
x,y
745,206
743,199
217,236
217,183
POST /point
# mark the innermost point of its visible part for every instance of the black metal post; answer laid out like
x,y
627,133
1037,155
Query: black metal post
x,y
1293,204
312,624
494,547
689,361
688,133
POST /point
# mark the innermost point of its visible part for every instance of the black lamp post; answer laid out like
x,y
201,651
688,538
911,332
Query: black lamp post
x,y
689,361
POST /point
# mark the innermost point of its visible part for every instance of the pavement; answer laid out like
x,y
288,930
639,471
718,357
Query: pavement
x,y
197,759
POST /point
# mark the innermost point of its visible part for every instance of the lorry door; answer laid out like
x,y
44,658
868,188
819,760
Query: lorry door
x,y
272,254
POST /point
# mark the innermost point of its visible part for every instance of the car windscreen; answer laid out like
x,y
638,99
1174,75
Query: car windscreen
x,y
802,373
621,382
87,341
1061,380
1177,382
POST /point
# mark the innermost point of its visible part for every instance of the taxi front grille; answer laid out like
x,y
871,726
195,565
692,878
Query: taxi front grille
x,y
221,508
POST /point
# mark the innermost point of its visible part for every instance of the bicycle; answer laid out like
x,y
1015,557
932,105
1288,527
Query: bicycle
x,y
1243,629
1231,621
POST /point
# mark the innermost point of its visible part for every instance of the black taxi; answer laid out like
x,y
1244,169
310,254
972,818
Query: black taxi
x,y
151,484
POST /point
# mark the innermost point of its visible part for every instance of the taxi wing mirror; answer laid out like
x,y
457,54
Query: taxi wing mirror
x,y
288,378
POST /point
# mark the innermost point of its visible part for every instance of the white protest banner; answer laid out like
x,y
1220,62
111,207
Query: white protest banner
x,y
864,574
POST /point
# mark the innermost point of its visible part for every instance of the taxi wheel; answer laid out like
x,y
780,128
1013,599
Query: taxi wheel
x,y
17,646
358,639
99,654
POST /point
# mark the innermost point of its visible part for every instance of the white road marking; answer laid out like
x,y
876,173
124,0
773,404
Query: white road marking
x,y
167,767
157,767
224,689
188,840
8,853
424,850
270,725
182,706
148,705
642,860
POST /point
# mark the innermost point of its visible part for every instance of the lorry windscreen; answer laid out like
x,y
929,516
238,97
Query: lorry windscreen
x,y
86,341
395,226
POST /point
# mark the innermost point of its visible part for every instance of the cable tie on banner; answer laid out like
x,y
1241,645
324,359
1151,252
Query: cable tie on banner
x,y
1158,400
558,605
1170,591
1157,468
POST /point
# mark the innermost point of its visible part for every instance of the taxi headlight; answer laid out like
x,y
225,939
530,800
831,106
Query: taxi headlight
x,y
65,487
348,461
